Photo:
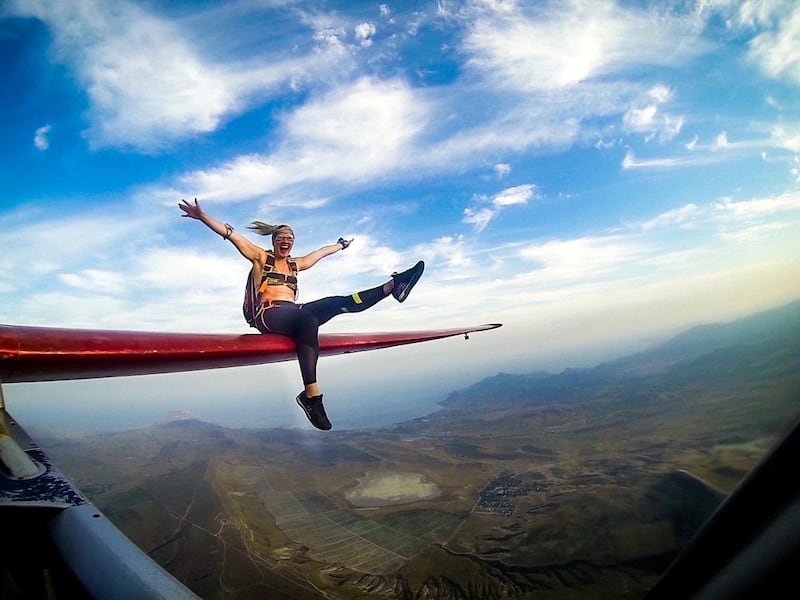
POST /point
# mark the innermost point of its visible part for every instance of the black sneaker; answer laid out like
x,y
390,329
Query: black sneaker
x,y
403,282
314,410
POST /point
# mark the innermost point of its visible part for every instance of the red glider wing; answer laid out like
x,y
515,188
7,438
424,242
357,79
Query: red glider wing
x,y
52,354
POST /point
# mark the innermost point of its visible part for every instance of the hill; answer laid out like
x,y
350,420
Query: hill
x,y
762,347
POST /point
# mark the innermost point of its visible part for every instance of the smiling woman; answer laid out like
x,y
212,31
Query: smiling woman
x,y
271,291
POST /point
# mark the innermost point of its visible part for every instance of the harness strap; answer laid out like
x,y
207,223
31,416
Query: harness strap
x,y
273,277
252,307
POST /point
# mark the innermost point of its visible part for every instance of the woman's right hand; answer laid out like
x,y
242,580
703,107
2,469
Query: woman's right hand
x,y
191,210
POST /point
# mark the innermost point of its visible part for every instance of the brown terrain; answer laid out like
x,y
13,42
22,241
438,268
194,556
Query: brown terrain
x,y
584,484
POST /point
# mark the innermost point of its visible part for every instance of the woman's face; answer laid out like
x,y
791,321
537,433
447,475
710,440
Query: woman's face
x,y
282,242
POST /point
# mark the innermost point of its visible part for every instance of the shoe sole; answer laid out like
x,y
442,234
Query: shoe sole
x,y
411,284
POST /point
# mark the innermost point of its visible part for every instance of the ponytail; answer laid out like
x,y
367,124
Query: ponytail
x,y
262,228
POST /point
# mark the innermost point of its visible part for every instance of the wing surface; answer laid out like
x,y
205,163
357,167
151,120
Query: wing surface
x,y
53,354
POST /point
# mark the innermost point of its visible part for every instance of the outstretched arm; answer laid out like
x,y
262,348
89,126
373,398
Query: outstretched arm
x,y
247,248
309,260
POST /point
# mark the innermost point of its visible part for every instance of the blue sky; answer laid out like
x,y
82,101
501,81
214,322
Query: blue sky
x,y
595,175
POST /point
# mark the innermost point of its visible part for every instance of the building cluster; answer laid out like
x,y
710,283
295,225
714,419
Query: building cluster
x,y
496,496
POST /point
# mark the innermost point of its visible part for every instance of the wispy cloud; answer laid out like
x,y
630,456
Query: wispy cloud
x,y
519,194
758,207
648,121
787,139
631,162
681,217
692,216
164,90
480,216
95,281
776,51
41,138
362,131
720,149
502,169
160,91
581,258
572,42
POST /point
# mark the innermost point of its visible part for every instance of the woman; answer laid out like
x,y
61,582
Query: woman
x,y
272,291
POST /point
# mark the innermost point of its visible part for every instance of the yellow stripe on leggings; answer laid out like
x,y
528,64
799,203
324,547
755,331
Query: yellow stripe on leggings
x,y
357,298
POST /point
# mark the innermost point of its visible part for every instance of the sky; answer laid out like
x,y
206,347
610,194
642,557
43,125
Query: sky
x,y
595,175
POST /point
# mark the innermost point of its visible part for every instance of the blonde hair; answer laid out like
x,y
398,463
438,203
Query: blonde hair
x,y
262,228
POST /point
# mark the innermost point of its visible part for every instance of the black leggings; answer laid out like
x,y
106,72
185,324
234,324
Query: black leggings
x,y
301,322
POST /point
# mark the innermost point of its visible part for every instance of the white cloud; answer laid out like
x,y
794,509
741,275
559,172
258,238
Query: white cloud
x,y
774,48
160,91
77,238
549,75
695,159
481,216
41,137
362,130
777,52
572,42
582,258
631,162
358,132
790,140
670,128
96,281
331,39
758,207
364,33
164,90
164,270
602,144
638,119
502,169
660,93
733,221
681,217
365,124
795,170
649,121
451,251
519,194
682,242
90,257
